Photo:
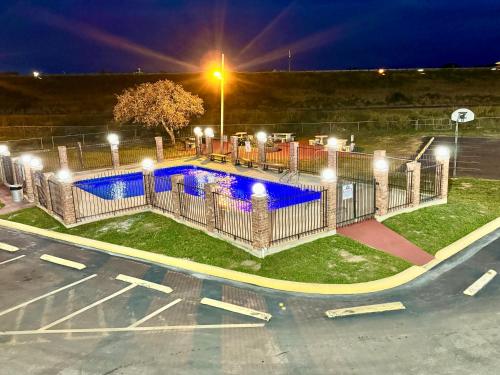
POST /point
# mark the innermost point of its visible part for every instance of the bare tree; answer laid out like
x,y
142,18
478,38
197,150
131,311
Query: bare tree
x,y
163,103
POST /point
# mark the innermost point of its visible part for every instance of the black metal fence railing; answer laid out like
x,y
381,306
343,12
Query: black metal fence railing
x,y
400,184
355,166
279,153
132,152
233,217
312,159
108,194
56,198
42,198
8,171
179,150
162,194
192,203
86,157
355,201
49,158
299,215
430,182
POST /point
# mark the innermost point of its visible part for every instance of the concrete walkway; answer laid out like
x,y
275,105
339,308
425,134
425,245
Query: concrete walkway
x,y
376,235
10,206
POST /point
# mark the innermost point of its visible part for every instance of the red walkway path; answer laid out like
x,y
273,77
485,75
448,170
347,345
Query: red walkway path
x,y
378,236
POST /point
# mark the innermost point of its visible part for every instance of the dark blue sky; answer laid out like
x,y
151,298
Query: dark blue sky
x,y
160,35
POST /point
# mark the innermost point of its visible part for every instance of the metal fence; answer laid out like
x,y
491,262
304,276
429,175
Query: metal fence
x,y
132,152
192,203
278,154
299,215
233,216
355,166
162,194
55,194
312,159
400,184
87,157
355,201
430,182
108,193
179,150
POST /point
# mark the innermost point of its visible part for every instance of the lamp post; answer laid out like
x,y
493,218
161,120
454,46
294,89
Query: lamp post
x,y
220,76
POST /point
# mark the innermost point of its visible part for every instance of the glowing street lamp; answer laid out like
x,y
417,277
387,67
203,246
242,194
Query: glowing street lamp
x,y
36,74
219,74
36,164
64,175
209,133
261,137
258,189
148,164
328,175
197,131
4,150
381,165
113,140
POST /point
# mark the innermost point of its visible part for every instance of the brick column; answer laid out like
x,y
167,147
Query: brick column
x,y
2,172
234,148
115,156
44,184
331,202
210,148
294,157
67,203
445,172
413,184
28,189
210,188
149,186
34,182
159,149
261,222
332,158
63,157
177,179
261,148
198,144
381,175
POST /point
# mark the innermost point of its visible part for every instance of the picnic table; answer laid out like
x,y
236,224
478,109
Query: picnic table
x,y
283,137
321,139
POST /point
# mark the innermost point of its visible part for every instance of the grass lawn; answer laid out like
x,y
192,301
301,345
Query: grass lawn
x,y
471,204
334,259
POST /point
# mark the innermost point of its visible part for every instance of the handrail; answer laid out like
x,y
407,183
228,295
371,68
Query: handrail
x,y
419,155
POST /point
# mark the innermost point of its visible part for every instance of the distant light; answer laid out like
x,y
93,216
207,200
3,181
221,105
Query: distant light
x,y
209,132
113,139
259,189
36,163
64,175
4,150
328,175
420,70
442,153
148,164
494,68
36,74
381,71
218,75
332,142
26,158
261,137
197,131
381,165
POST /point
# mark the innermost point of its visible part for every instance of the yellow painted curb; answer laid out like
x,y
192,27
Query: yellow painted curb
x,y
401,278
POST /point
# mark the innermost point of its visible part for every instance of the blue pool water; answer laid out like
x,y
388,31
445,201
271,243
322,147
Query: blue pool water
x,y
131,185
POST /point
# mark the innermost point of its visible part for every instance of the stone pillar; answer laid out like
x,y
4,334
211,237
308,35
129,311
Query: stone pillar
x,y
332,157
35,181
210,188
67,202
234,148
331,202
413,184
261,222
28,178
159,149
63,157
177,181
381,175
445,172
294,157
210,148
197,143
44,184
115,156
261,148
149,186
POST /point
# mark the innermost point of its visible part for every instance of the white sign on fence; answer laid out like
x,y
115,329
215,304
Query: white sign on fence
x,y
248,146
347,191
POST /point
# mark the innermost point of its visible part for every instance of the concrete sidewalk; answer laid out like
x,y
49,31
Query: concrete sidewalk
x,y
376,235
10,206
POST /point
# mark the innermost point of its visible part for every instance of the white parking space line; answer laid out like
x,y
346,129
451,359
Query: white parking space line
x,y
63,319
480,283
134,329
367,309
154,313
236,309
13,259
63,262
7,247
144,283
47,294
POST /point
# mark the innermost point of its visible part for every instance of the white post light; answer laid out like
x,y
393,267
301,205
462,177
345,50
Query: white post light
x,y
261,137
209,132
328,175
36,164
36,74
381,165
26,158
258,189
64,175
148,164
332,142
113,139
4,150
442,153
197,131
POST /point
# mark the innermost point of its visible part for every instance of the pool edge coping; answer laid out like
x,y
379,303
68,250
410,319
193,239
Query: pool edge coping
x,y
390,282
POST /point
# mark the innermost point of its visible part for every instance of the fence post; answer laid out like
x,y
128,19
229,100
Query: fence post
x,y
234,148
413,184
261,225
294,157
209,144
159,149
66,197
28,178
261,148
115,156
332,156
149,186
210,188
330,185
381,175
177,181
2,172
63,157
197,144
444,165
44,184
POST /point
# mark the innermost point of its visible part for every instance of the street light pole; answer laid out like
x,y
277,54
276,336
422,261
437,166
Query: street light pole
x,y
222,105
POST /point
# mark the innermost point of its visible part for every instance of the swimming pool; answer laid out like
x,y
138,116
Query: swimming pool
x,y
237,186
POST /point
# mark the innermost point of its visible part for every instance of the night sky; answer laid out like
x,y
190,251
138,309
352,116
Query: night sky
x,y
56,36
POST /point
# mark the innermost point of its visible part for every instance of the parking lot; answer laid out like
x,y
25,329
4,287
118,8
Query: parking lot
x,y
121,316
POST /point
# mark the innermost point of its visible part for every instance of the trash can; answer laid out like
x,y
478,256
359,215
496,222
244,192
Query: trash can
x,y
17,193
